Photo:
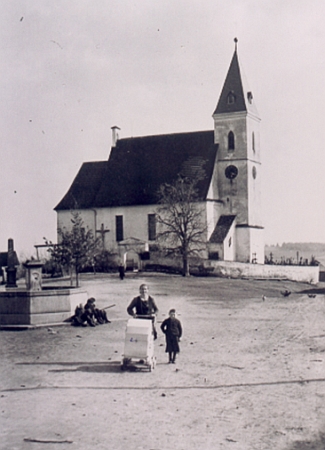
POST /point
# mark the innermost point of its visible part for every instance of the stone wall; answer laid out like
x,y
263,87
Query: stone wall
x,y
305,274
35,308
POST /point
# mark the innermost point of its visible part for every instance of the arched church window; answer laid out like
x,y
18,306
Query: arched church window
x,y
253,141
231,141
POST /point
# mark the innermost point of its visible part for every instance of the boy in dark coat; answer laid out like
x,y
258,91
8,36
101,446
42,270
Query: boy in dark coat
x,y
172,328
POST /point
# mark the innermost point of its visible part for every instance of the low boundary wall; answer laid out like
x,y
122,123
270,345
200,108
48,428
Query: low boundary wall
x,y
305,274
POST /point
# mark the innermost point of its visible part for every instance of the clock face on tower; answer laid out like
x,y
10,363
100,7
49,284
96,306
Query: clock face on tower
x,y
231,172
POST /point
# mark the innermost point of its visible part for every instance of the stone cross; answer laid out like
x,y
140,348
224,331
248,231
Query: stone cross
x,y
102,232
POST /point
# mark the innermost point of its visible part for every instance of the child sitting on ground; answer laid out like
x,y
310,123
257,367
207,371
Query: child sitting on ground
x,y
89,315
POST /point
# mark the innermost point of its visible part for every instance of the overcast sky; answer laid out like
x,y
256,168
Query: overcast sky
x,y
71,69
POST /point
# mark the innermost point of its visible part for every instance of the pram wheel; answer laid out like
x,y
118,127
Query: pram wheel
x,y
151,364
125,363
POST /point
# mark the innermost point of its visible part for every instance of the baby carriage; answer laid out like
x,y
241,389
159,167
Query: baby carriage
x,y
139,344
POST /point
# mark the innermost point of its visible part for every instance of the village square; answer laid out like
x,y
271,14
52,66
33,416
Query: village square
x,y
162,313
249,373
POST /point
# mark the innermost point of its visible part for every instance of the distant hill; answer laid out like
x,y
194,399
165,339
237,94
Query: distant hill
x,y
296,250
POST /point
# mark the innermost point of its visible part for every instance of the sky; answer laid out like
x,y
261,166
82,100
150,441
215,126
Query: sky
x,y
70,70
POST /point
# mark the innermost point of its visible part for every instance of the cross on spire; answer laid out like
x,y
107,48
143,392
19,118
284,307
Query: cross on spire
x,y
235,40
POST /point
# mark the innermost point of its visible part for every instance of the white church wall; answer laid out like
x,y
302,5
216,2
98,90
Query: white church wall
x,y
64,219
213,192
229,245
213,212
257,244
243,251
135,222
253,151
254,193
250,244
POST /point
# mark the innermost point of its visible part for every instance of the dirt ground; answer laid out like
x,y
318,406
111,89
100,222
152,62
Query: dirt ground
x,y
250,374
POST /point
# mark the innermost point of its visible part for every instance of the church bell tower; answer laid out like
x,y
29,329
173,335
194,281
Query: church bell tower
x,y
236,131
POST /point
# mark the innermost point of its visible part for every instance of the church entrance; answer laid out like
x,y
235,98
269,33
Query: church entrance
x,y
132,261
130,250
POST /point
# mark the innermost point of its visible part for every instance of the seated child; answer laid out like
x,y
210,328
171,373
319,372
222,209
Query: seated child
x,y
89,315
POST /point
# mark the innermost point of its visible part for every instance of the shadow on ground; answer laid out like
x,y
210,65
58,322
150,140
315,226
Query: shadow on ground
x,y
318,444
102,367
320,291
112,367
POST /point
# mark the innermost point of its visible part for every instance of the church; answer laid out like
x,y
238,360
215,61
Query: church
x,y
118,198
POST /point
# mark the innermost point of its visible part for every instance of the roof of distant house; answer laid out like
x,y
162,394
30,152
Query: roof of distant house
x,y
138,166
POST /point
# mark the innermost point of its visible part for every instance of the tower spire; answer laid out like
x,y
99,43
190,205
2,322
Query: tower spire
x,y
235,95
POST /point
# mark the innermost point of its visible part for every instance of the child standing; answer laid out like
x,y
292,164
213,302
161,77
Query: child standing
x,y
172,328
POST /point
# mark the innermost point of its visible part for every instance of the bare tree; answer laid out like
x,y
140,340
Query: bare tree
x,y
183,230
76,248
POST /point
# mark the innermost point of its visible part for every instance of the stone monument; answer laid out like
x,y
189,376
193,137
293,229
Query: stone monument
x,y
34,275
34,305
12,262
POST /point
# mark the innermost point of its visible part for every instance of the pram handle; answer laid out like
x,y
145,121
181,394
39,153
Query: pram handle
x,y
145,316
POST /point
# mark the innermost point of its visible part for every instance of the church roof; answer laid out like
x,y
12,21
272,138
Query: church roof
x,y
222,228
83,191
138,166
235,95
